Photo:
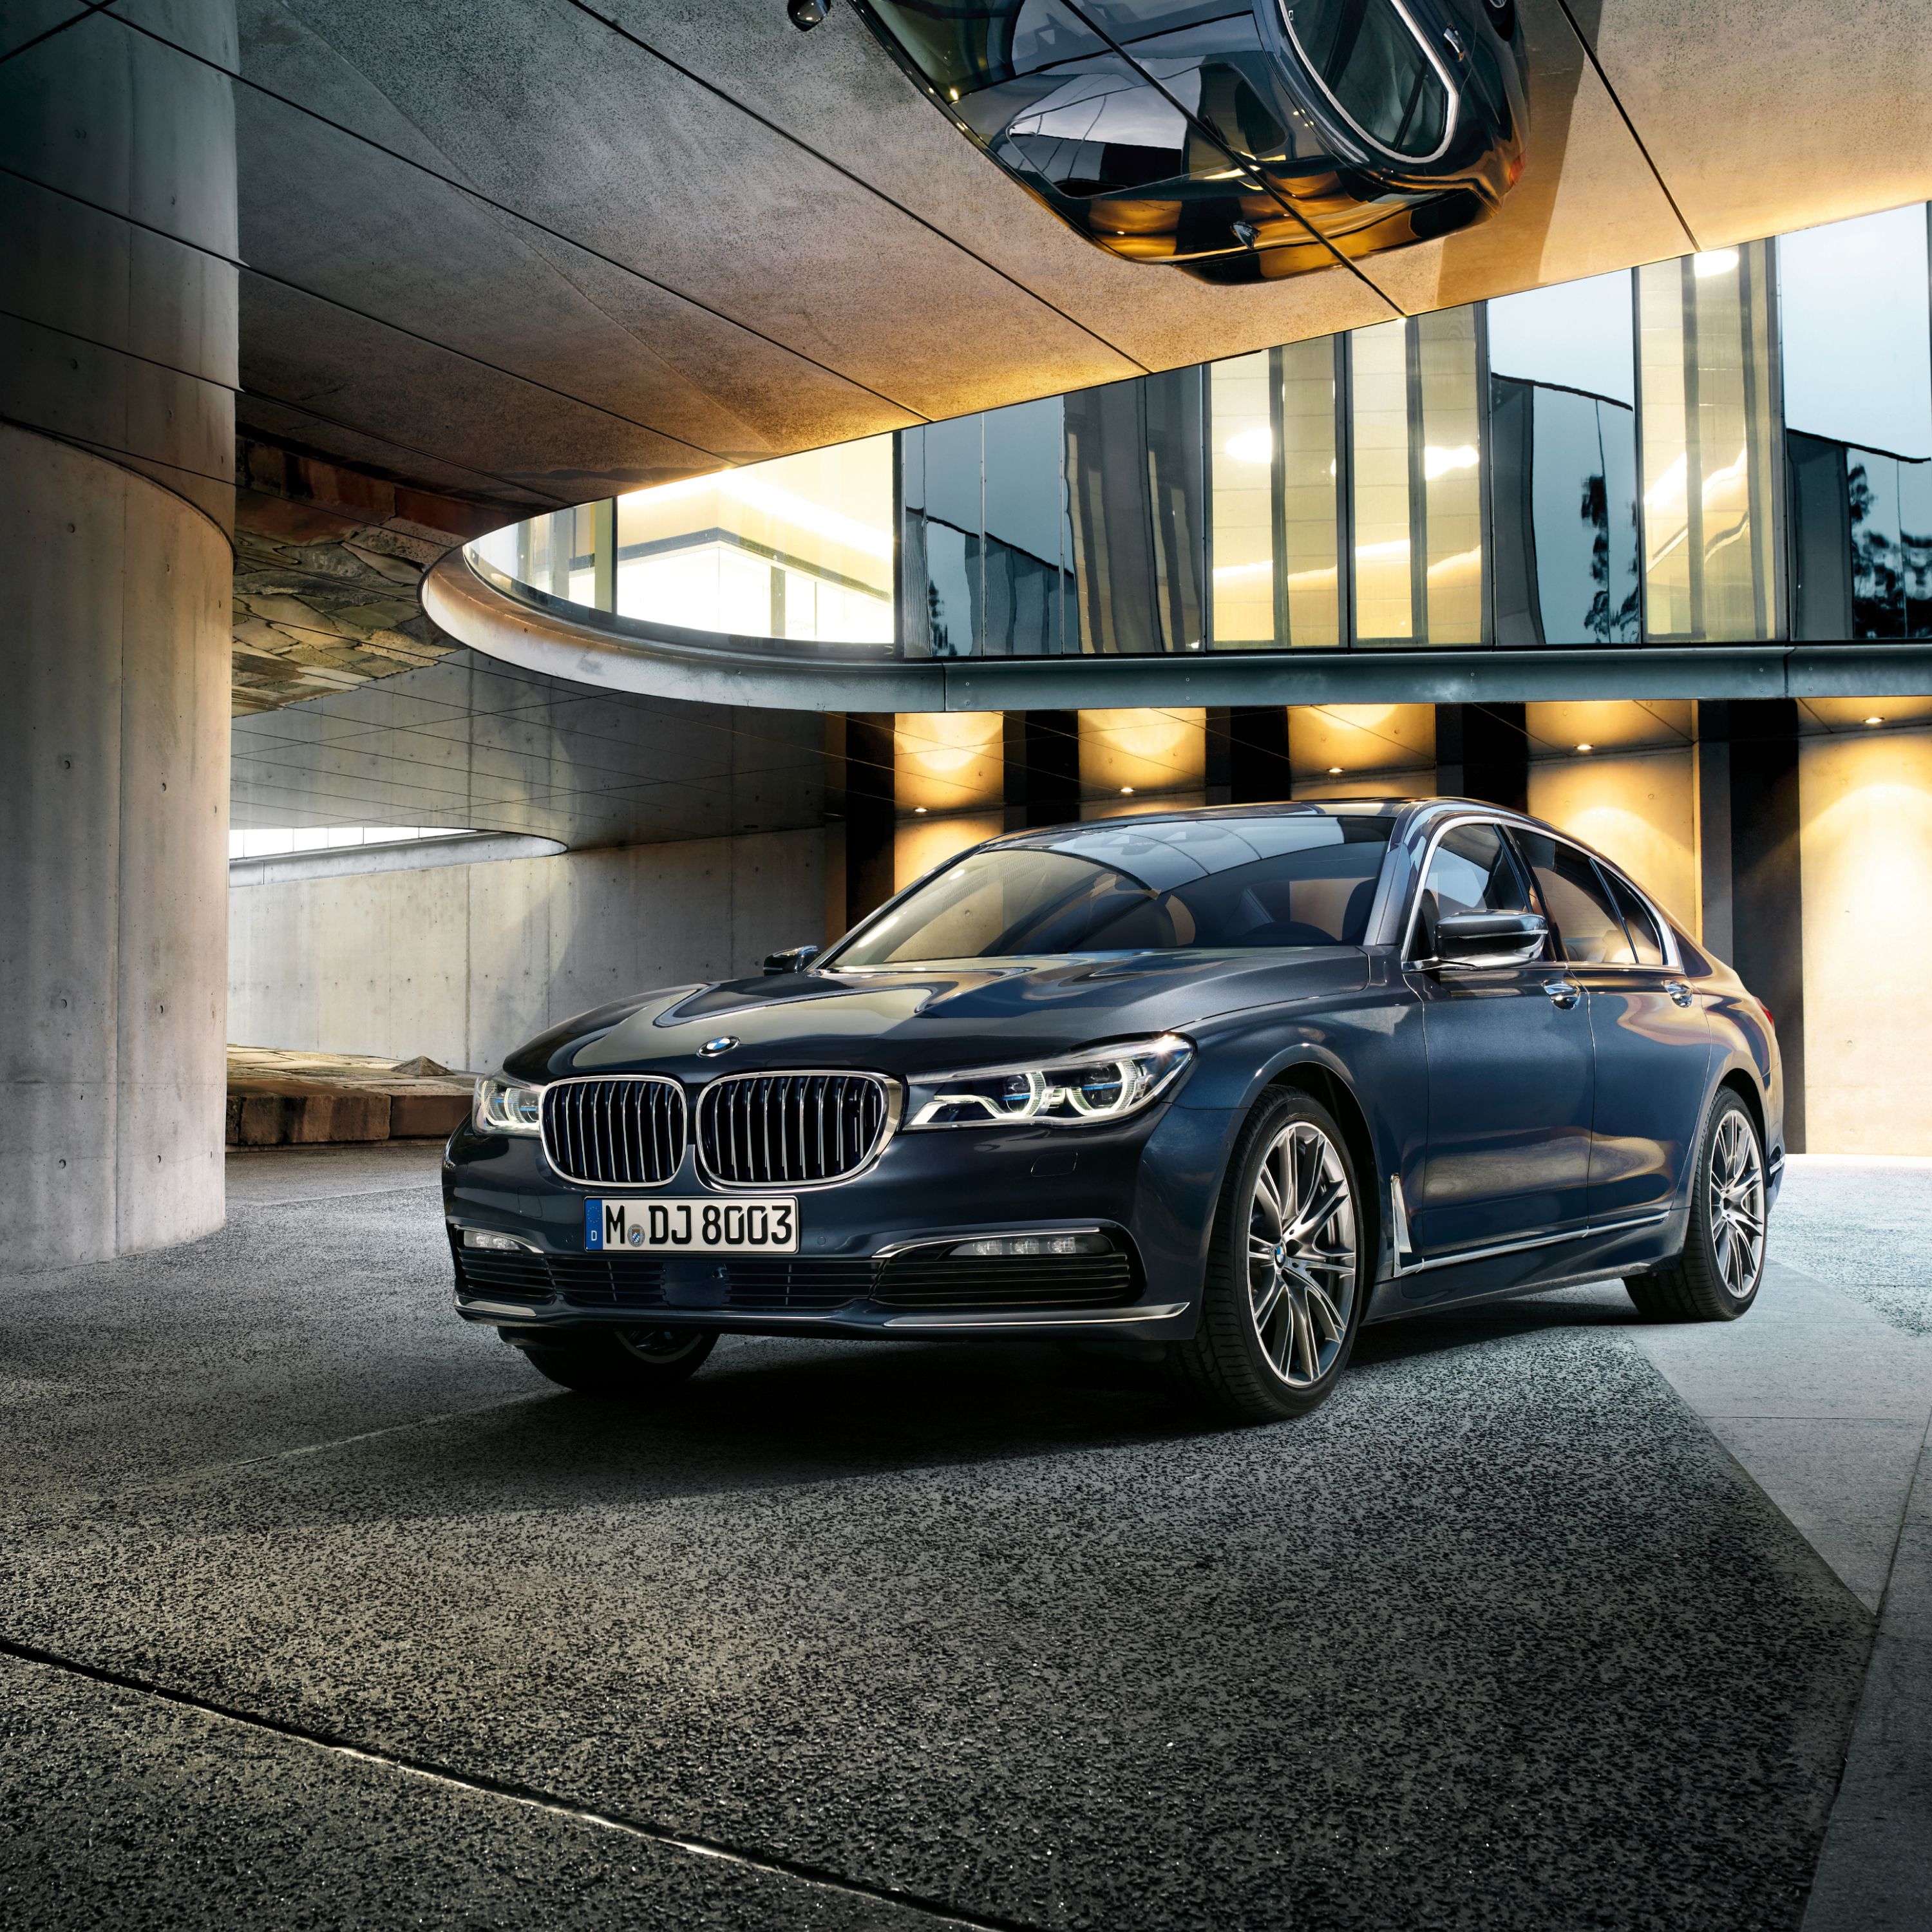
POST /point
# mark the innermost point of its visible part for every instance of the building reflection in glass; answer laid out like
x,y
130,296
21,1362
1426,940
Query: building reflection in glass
x,y
1416,444
1857,343
1076,524
1732,447
1563,464
1703,327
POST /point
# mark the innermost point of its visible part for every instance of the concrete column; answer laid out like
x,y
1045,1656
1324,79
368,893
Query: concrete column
x,y
871,817
1753,873
117,375
1042,769
1482,751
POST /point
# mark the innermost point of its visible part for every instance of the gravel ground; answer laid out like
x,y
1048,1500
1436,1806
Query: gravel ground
x,y
1865,1226
1499,1638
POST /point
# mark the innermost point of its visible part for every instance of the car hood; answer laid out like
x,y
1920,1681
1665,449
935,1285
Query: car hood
x,y
927,1021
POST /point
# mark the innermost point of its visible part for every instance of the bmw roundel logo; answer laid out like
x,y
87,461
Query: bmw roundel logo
x,y
723,1043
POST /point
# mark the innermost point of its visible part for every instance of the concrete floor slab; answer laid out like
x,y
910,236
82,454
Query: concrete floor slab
x,y
1501,1637
123,1810
1822,1402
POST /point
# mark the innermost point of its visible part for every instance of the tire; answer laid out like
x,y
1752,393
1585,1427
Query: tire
x,y
1716,1277
1273,1341
634,1362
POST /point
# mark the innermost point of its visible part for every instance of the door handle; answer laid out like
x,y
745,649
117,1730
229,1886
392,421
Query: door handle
x,y
1562,992
1678,991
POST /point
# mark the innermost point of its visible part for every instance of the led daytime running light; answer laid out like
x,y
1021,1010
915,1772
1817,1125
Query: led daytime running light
x,y
1072,1089
507,1107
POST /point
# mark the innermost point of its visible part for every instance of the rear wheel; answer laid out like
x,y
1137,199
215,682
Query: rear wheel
x,y
1282,1297
1716,1278
622,1361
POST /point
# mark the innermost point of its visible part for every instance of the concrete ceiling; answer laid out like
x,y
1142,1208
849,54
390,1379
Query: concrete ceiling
x,y
537,249
521,252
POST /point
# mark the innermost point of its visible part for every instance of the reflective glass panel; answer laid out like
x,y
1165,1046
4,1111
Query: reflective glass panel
x,y
1856,333
1242,451
1562,462
800,547
1705,434
1309,497
1384,595
1857,344
1027,581
1452,475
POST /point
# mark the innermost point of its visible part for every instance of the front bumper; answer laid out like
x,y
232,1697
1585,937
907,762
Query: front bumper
x,y
1148,1185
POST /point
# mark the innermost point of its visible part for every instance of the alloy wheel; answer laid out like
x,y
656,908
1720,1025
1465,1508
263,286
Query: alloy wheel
x,y
1737,1203
1301,1254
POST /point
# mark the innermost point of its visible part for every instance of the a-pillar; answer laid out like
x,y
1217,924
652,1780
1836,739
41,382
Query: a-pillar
x,y
117,464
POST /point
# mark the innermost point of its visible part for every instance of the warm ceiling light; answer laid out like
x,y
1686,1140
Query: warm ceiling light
x,y
1714,262
1874,721
1126,791
1334,771
1586,748
919,811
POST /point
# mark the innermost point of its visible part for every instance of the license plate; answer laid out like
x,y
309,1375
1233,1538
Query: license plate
x,y
755,1227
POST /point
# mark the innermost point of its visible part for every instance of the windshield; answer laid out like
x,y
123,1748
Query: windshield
x,y
1274,882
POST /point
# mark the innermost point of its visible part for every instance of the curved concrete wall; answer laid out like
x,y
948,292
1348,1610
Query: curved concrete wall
x,y
117,379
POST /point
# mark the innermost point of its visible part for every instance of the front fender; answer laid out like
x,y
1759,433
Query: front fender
x,y
1369,1042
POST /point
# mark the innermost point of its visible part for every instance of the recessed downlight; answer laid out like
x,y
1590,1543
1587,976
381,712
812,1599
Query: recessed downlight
x,y
1126,791
1874,720
1586,747
1334,771
919,811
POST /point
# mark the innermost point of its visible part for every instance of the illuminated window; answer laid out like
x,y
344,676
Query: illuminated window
x,y
1272,450
1418,443
800,547
1705,438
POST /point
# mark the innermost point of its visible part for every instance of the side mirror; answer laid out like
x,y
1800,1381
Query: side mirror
x,y
793,959
1490,938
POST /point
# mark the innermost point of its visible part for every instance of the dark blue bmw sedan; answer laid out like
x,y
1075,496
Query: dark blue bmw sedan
x,y
1233,1082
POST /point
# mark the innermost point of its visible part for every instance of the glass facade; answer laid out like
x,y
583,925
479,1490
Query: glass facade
x,y
1729,448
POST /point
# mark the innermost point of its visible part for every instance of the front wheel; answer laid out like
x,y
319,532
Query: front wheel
x,y
1716,1278
622,1361
1282,1297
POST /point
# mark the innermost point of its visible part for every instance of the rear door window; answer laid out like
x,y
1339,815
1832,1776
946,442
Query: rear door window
x,y
1645,939
1578,901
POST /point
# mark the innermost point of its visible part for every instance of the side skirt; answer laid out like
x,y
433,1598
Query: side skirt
x,y
1587,1254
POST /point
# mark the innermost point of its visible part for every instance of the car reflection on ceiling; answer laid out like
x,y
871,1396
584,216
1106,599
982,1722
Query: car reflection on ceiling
x,y
1240,143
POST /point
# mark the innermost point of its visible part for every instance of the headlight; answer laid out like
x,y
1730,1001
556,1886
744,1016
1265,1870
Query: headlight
x,y
507,1107
1076,1090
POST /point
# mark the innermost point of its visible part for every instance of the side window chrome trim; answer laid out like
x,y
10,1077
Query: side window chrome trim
x,y
1286,9
1435,839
